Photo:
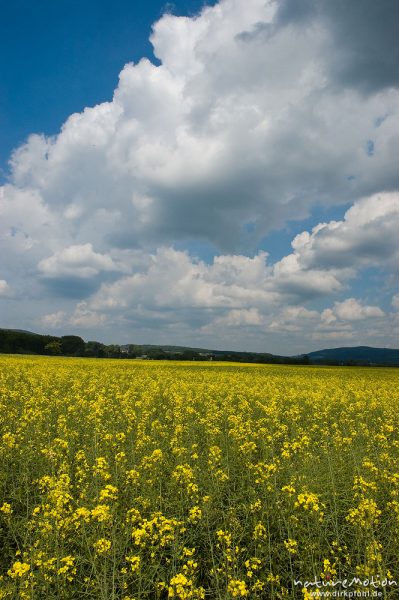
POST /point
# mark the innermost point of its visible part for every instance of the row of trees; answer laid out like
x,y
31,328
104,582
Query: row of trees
x,y
21,342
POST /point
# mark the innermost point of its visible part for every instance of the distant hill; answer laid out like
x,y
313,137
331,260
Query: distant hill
x,y
357,354
205,351
168,348
22,331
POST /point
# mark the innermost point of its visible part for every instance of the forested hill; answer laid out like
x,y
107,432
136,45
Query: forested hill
x,y
357,354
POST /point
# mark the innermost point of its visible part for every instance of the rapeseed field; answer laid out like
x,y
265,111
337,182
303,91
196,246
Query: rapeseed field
x,y
136,480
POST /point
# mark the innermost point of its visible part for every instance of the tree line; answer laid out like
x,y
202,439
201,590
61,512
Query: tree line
x,y
20,342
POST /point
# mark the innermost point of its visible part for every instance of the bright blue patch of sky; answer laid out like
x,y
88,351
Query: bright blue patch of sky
x,y
370,287
202,250
59,56
278,243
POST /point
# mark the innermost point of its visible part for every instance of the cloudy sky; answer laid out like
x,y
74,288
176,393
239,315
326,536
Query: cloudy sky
x,y
223,176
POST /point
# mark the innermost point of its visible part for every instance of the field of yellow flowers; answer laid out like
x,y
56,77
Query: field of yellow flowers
x,y
141,480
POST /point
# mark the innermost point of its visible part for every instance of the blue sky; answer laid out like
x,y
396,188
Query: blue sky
x,y
58,57
220,175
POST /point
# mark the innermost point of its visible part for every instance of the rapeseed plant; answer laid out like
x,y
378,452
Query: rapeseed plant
x,y
130,480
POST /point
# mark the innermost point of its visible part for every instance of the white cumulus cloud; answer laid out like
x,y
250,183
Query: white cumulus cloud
x,y
236,125
351,310
76,261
